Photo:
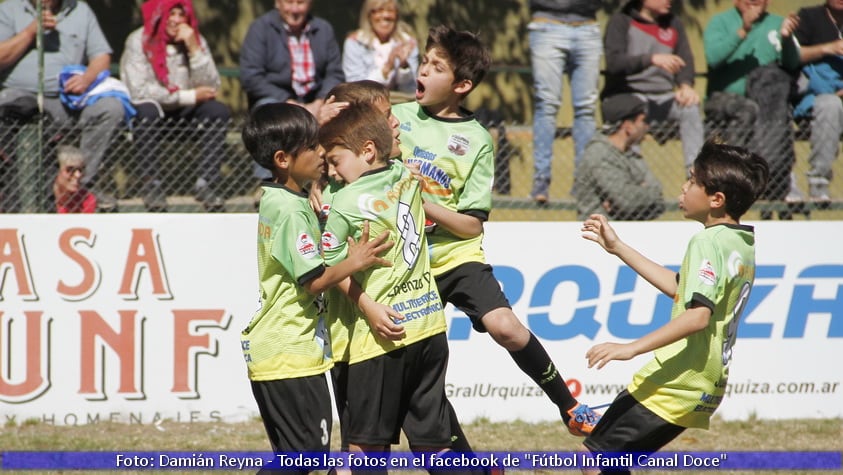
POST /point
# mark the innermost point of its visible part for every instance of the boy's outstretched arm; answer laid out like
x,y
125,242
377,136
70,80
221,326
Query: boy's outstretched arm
x,y
597,229
361,255
381,317
463,226
688,322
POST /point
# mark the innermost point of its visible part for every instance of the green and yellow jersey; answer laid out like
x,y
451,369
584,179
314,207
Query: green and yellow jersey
x,y
686,380
456,157
390,199
339,311
287,336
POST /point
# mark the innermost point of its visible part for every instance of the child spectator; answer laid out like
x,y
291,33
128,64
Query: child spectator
x,y
455,156
685,382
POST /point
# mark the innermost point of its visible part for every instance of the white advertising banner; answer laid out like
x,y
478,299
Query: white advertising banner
x,y
135,318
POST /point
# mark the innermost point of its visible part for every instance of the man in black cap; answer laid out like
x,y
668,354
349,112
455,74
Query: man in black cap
x,y
613,179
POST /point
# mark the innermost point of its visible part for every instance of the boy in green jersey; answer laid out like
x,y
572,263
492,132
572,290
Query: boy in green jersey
x,y
397,362
454,156
340,313
285,344
685,382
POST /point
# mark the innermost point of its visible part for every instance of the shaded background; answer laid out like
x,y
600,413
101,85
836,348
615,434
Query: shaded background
x,y
501,23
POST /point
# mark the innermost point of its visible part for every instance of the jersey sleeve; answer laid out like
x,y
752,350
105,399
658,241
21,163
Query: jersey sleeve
x,y
477,193
335,237
296,247
705,274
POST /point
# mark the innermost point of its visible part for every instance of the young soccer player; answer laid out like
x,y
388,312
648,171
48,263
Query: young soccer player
x,y
685,382
397,365
285,343
340,314
455,156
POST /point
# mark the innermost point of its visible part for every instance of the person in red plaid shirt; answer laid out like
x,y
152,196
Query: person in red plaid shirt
x,y
289,55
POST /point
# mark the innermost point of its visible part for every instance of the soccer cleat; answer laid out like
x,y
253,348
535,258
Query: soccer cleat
x,y
583,419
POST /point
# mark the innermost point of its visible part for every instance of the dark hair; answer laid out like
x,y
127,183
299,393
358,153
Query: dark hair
x,y
352,127
279,127
363,91
468,57
734,171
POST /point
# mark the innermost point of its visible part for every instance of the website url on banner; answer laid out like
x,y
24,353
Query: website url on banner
x,y
726,461
488,390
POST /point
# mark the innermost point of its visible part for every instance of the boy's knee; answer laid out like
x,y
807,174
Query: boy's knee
x,y
505,328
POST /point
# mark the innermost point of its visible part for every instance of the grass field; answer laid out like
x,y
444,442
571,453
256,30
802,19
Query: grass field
x,y
750,435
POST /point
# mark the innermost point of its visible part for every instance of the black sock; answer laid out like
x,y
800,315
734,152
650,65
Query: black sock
x,y
459,442
536,363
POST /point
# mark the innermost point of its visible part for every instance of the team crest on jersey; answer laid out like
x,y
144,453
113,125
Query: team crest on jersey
x,y
307,246
706,274
458,144
329,241
406,127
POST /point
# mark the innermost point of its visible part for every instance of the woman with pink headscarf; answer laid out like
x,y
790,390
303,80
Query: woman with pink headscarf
x,y
171,74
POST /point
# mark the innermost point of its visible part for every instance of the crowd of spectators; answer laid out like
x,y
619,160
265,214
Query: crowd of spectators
x,y
764,71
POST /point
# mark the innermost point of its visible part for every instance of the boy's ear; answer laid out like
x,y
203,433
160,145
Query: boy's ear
x,y
717,200
281,160
463,87
370,152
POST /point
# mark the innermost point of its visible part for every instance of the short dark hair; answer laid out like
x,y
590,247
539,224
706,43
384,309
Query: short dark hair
x,y
364,90
464,51
355,125
734,171
279,127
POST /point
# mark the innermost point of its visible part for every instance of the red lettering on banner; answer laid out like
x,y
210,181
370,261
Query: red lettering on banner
x,y
91,275
13,256
96,335
188,344
144,253
37,372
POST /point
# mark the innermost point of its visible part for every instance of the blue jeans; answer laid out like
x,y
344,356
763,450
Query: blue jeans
x,y
555,50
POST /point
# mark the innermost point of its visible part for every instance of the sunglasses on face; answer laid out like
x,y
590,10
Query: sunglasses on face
x,y
70,170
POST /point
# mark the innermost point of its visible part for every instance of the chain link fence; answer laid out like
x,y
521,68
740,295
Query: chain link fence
x,y
172,157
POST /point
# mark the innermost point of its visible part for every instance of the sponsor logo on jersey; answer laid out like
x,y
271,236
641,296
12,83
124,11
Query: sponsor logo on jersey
x,y
706,274
329,241
458,144
307,246
422,153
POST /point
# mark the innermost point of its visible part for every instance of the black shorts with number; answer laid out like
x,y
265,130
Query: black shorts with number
x,y
628,426
405,386
296,413
472,288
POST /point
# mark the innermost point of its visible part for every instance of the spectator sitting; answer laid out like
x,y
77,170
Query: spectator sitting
x,y
171,74
748,91
71,36
383,49
648,54
612,179
69,195
289,55
821,50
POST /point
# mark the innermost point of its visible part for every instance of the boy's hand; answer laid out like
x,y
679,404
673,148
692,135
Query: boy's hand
x,y
382,319
597,229
605,352
365,252
330,109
